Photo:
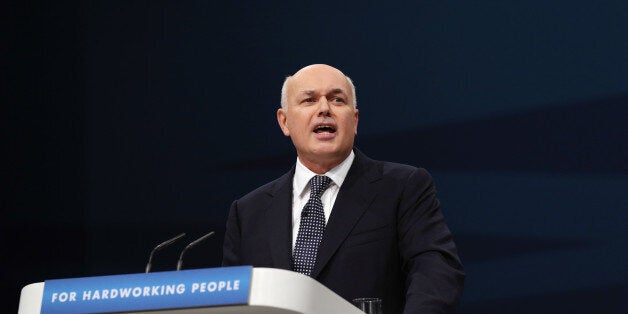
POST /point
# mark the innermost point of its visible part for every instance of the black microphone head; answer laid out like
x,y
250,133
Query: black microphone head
x,y
159,247
192,244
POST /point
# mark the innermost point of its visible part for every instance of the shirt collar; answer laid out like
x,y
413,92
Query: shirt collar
x,y
337,174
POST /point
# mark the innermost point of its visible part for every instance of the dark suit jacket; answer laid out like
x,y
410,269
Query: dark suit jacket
x,y
386,237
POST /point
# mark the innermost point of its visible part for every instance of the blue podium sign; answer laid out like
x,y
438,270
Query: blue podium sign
x,y
152,291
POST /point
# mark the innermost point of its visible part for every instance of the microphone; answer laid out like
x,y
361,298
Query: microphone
x,y
159,247
193,243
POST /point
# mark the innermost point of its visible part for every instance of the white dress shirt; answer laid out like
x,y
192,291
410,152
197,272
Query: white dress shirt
x,y
301,190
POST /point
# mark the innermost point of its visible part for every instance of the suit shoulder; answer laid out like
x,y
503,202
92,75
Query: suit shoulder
x,y
266,189
394,171
403,171
259,191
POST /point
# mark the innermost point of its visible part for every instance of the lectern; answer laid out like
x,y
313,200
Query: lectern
x,y
239,289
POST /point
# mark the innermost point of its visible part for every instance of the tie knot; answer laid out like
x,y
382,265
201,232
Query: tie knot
x,y
319,184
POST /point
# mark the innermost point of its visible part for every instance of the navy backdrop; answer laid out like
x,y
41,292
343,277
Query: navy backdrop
x,y
127,122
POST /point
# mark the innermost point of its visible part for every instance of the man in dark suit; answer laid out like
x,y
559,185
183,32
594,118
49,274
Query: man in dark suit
x,y
384,234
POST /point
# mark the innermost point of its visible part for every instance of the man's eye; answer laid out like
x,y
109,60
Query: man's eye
x,y
338,99
308,100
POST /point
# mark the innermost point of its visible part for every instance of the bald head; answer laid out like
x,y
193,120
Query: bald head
x,y
315,70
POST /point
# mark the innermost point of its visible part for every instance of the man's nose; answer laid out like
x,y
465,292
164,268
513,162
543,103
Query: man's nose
x,y
323,106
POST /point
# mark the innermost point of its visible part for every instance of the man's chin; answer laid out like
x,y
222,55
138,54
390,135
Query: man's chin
x,y
329,153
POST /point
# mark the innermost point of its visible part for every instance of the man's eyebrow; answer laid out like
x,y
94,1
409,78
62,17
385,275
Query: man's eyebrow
x,y
310,92
337,91
306,92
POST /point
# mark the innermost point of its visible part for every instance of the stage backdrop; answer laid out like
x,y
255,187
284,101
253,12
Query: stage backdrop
x,y
129,122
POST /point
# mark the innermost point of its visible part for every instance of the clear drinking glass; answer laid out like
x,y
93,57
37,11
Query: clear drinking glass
x,y
369,305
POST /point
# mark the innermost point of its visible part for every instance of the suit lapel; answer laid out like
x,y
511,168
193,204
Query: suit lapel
x,y
353,199
279,219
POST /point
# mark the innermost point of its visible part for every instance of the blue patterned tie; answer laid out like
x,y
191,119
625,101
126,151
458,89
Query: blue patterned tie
x,y
311,227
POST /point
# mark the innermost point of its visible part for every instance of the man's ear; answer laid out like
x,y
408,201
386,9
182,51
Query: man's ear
x,y
357,119
282,119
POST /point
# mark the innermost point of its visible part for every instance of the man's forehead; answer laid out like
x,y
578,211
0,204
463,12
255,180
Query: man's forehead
x,y
308,84
331,90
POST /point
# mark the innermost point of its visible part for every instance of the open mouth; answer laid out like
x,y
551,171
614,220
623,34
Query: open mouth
x,y
324,128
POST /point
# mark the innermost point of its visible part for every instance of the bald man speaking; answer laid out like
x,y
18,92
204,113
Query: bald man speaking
x,y
361,227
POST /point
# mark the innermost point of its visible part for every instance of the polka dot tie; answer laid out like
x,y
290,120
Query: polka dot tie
x,y
311,227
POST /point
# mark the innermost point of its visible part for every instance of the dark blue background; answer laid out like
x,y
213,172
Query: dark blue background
x,y
127,122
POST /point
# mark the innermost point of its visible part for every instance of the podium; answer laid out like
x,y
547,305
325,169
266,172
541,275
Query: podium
x,y
269,291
